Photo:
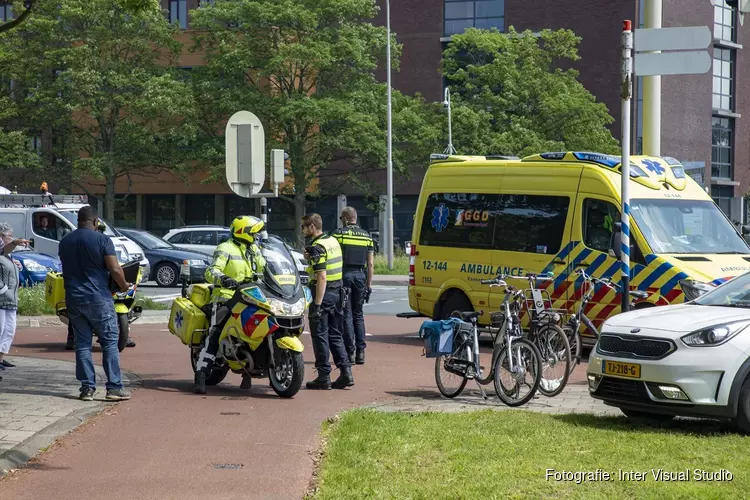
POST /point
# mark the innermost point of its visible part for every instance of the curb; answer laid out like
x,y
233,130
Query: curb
x,y
385,279
26,450
52,320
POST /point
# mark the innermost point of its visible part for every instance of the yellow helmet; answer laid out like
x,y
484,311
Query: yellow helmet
x,y
245,227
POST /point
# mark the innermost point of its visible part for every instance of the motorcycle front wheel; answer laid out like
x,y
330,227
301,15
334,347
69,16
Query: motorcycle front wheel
x,y
288,373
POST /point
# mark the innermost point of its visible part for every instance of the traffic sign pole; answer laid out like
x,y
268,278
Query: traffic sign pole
x,y
626,93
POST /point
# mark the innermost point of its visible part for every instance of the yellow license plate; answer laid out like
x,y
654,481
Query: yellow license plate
x,y
621,369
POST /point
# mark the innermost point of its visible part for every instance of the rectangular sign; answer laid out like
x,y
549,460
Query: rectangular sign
x,y
684,38
672,63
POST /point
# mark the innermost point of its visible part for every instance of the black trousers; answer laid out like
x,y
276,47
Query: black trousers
x,y
327,332
354,317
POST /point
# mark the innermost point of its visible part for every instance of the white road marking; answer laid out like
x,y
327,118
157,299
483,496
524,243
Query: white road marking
x,y
386,302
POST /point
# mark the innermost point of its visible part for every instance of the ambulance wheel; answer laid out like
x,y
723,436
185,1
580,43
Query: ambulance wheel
x,y
124,328
456,304
218,373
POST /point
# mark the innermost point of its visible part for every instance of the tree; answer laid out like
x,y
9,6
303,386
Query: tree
x,y
509,97
26,7
306,68
101,81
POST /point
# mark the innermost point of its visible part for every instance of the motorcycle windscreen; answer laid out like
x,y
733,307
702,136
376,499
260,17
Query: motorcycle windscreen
x,y
281,269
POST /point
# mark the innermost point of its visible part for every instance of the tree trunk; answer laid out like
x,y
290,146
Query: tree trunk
x,y
109,195
299,210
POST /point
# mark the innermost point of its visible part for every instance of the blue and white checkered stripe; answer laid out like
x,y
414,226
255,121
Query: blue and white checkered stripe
x,y
625,241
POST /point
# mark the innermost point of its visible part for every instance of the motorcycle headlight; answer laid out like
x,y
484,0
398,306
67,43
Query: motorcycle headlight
x,y
714,335
34,267
281,308
694,289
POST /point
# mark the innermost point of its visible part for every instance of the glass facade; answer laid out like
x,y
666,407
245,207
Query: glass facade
x,y
482,14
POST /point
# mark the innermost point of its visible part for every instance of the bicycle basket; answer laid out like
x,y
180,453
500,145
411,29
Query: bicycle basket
x,y
438,336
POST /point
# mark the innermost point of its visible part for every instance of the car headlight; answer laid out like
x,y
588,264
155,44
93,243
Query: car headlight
x,y
714,335
281,308
34,267
694,289
197,262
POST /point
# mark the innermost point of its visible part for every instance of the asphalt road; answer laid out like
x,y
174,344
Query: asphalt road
x,y
384,301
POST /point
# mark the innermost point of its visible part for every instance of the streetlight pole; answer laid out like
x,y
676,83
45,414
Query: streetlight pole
x,y
389,203
447,103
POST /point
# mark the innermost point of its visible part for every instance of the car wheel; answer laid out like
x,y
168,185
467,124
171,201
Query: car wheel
x,y
742,422
166,275
642,414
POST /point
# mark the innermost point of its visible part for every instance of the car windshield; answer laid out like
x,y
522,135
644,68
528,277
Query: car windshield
x,y
148,240
281,271
72,216
733,293
686,226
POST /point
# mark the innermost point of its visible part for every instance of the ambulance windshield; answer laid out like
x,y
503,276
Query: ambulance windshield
x,y
686,227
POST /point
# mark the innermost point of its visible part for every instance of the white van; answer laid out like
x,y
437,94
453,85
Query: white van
x,y
45,219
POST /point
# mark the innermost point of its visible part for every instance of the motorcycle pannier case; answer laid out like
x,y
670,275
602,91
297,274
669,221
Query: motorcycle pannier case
x,y
54,290
187,321
200,295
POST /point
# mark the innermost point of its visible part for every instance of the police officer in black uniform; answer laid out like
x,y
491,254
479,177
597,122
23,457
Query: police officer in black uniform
x,y
358,250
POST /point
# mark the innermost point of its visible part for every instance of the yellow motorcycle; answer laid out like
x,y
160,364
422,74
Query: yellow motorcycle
x,y
127,307
261,334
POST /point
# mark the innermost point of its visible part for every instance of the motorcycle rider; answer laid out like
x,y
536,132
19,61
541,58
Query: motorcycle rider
x,y
235,261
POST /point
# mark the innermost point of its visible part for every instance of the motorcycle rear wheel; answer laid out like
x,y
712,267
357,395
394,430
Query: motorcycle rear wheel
x,y
218,373
124,329
290,365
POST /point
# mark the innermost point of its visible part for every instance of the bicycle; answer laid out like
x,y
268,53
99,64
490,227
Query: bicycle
x,y
547,335
511,352
572,326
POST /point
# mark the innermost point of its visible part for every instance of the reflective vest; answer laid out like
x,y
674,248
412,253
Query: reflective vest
x,y
325,253
355,243
235,260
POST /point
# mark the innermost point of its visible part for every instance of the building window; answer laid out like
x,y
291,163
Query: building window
x,y
723,195
160,213
722,96
721,148
723,21
6,13
482,14
199,209
204,3
178,12
35,143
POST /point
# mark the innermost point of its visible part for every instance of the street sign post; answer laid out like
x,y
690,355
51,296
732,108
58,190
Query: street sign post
x,y
656,62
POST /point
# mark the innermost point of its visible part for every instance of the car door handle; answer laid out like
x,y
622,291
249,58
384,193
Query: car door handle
x,y
559,262
583,264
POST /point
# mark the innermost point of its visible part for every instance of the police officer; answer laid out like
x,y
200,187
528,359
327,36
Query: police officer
x,y
359,251
326,313
235,261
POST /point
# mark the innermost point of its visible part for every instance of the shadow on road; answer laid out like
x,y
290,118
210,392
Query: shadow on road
x,y
260,389
692,426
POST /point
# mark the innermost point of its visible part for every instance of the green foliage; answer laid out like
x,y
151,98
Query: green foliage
x,y
400,265
509,95
31,301
98,77
306,68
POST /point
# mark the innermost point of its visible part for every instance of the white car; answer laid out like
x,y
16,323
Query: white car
x,y
205,239
690,359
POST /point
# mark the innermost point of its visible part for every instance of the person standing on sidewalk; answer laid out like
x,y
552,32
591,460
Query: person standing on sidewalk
x,y
358,250
8,291
88,259
326,314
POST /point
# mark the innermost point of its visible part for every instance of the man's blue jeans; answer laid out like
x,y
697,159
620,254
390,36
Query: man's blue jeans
x,y
99,316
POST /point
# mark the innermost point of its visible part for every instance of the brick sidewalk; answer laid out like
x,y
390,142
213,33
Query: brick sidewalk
x,y
574,398
39,401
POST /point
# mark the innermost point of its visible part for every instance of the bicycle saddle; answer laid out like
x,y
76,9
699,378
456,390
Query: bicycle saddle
x,y
468,316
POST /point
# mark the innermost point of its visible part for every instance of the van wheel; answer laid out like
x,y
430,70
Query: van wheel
x,y
456,303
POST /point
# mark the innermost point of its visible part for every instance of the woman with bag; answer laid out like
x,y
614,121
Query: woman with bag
x,y
8,291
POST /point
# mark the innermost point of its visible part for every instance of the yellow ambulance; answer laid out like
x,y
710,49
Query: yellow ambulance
x,y
555,212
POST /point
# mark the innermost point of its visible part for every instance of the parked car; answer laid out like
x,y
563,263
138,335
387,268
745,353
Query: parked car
x,y
165,258
34,266
205,239
202,239
688,359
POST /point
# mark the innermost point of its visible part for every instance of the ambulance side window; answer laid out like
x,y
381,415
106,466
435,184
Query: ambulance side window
x,y
599,217
459,220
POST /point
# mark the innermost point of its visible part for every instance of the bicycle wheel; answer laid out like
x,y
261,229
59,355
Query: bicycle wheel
x,y
555,354
574,340
526,364
449,383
